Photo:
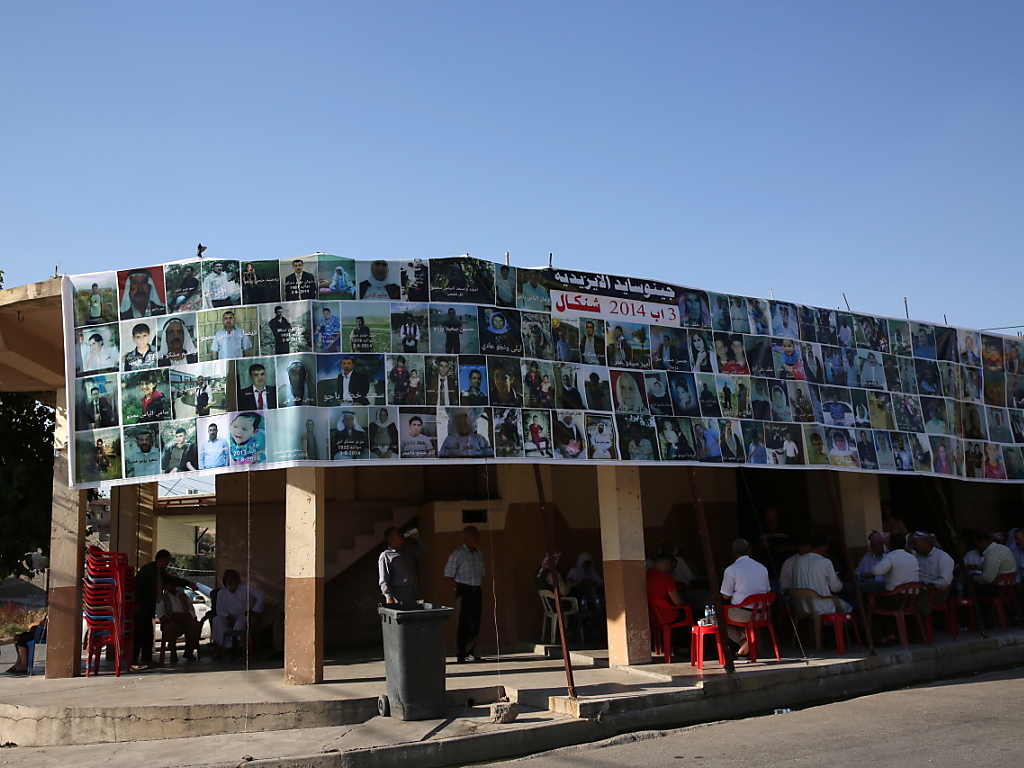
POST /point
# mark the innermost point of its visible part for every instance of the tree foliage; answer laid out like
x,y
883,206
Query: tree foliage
x,y
26,478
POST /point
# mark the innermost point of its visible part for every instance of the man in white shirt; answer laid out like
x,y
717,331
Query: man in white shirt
x,y
935,567
505,288
238,607
745,577
898,567
877,543
177,617
217,287
815,571
229,342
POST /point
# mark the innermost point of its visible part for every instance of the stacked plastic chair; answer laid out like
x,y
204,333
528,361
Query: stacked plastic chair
x,y
109,603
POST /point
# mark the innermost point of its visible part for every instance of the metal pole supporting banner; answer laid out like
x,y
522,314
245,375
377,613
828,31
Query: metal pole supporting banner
x,y
713,583
549,538
837,512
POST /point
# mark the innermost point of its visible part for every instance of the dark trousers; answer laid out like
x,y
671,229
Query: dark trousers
x,y
469,602
142,645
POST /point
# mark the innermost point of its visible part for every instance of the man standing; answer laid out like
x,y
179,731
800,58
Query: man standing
x,y
217,287
215,450
229,342
202,397
505,288
466,567
282,332
395,567
745,577
410,333
300,285
177,617
452,327
95,305
257,396
149,589
361,340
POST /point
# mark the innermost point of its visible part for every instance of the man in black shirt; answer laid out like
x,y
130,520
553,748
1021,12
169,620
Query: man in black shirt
x,y
282,330
149,588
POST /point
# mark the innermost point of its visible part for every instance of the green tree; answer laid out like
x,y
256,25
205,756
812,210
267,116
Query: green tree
x,y
26,478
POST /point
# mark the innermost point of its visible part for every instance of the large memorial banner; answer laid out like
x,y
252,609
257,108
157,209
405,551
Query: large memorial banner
x,y
216,365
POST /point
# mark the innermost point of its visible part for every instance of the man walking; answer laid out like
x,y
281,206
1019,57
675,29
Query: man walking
x,y
466,567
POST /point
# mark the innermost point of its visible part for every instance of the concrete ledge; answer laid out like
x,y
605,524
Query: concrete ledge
x,y
52,726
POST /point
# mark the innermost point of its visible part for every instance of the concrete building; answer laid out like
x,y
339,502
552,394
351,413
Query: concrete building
x,y
310,536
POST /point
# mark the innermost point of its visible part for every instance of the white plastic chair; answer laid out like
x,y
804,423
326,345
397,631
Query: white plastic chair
x,y
570,607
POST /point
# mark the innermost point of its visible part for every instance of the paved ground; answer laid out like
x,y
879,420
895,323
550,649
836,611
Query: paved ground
x,y
974,721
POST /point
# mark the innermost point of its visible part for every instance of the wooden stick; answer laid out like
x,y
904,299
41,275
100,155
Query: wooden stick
x,y
549,537
709,559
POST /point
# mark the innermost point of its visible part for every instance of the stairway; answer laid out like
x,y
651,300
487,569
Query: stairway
x,y
369,537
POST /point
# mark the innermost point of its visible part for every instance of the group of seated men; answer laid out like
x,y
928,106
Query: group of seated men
x,y
161,595
891,561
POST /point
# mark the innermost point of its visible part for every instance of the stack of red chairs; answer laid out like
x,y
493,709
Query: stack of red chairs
x,y
109,603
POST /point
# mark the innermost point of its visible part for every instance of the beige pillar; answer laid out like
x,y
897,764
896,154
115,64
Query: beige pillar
x,y
133,521
304,576
67,562
622,542
862,506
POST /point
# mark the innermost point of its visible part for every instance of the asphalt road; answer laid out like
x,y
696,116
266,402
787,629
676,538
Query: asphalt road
x,y
973,721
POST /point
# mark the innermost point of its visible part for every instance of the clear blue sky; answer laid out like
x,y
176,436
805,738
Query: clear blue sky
x,y
811,148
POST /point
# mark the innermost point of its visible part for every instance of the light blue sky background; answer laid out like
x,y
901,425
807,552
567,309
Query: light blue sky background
x,y
811,148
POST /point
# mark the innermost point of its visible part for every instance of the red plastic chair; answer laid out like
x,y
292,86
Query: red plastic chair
x,y
1005,596
760,618
697,634
661,631
944,609
910,593
839,622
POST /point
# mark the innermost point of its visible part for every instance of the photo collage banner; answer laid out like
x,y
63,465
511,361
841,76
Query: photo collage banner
x,y
219,365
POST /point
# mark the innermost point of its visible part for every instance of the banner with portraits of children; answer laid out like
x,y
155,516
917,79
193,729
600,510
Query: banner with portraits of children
x,y
220,365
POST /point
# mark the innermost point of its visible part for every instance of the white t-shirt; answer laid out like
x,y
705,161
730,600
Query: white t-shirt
x,y
744,578
898,567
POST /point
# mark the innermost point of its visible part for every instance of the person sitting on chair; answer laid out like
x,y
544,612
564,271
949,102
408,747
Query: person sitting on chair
x,y
21,641
177,617
238,607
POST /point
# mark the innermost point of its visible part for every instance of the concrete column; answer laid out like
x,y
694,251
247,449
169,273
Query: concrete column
x,y
622,542
862,506
67,563
133,521
304,576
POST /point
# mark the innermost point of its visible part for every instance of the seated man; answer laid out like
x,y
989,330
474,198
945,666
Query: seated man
x,y
877,547
935,567
786,571
177,617
21,641
745,577
662,594
898,567
815,571
238,606
996,560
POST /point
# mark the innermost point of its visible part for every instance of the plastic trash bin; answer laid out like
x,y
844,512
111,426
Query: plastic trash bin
x,y
413,660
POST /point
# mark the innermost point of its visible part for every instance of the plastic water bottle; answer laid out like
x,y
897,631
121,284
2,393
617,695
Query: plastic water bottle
x,y
707,615
714,618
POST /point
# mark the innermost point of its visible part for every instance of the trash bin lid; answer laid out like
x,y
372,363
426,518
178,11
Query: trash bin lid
x,y
400,612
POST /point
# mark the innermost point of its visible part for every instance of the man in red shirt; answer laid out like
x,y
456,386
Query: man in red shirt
x,y
662,594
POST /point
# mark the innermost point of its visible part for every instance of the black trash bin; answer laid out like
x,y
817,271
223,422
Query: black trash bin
x,y
414,660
